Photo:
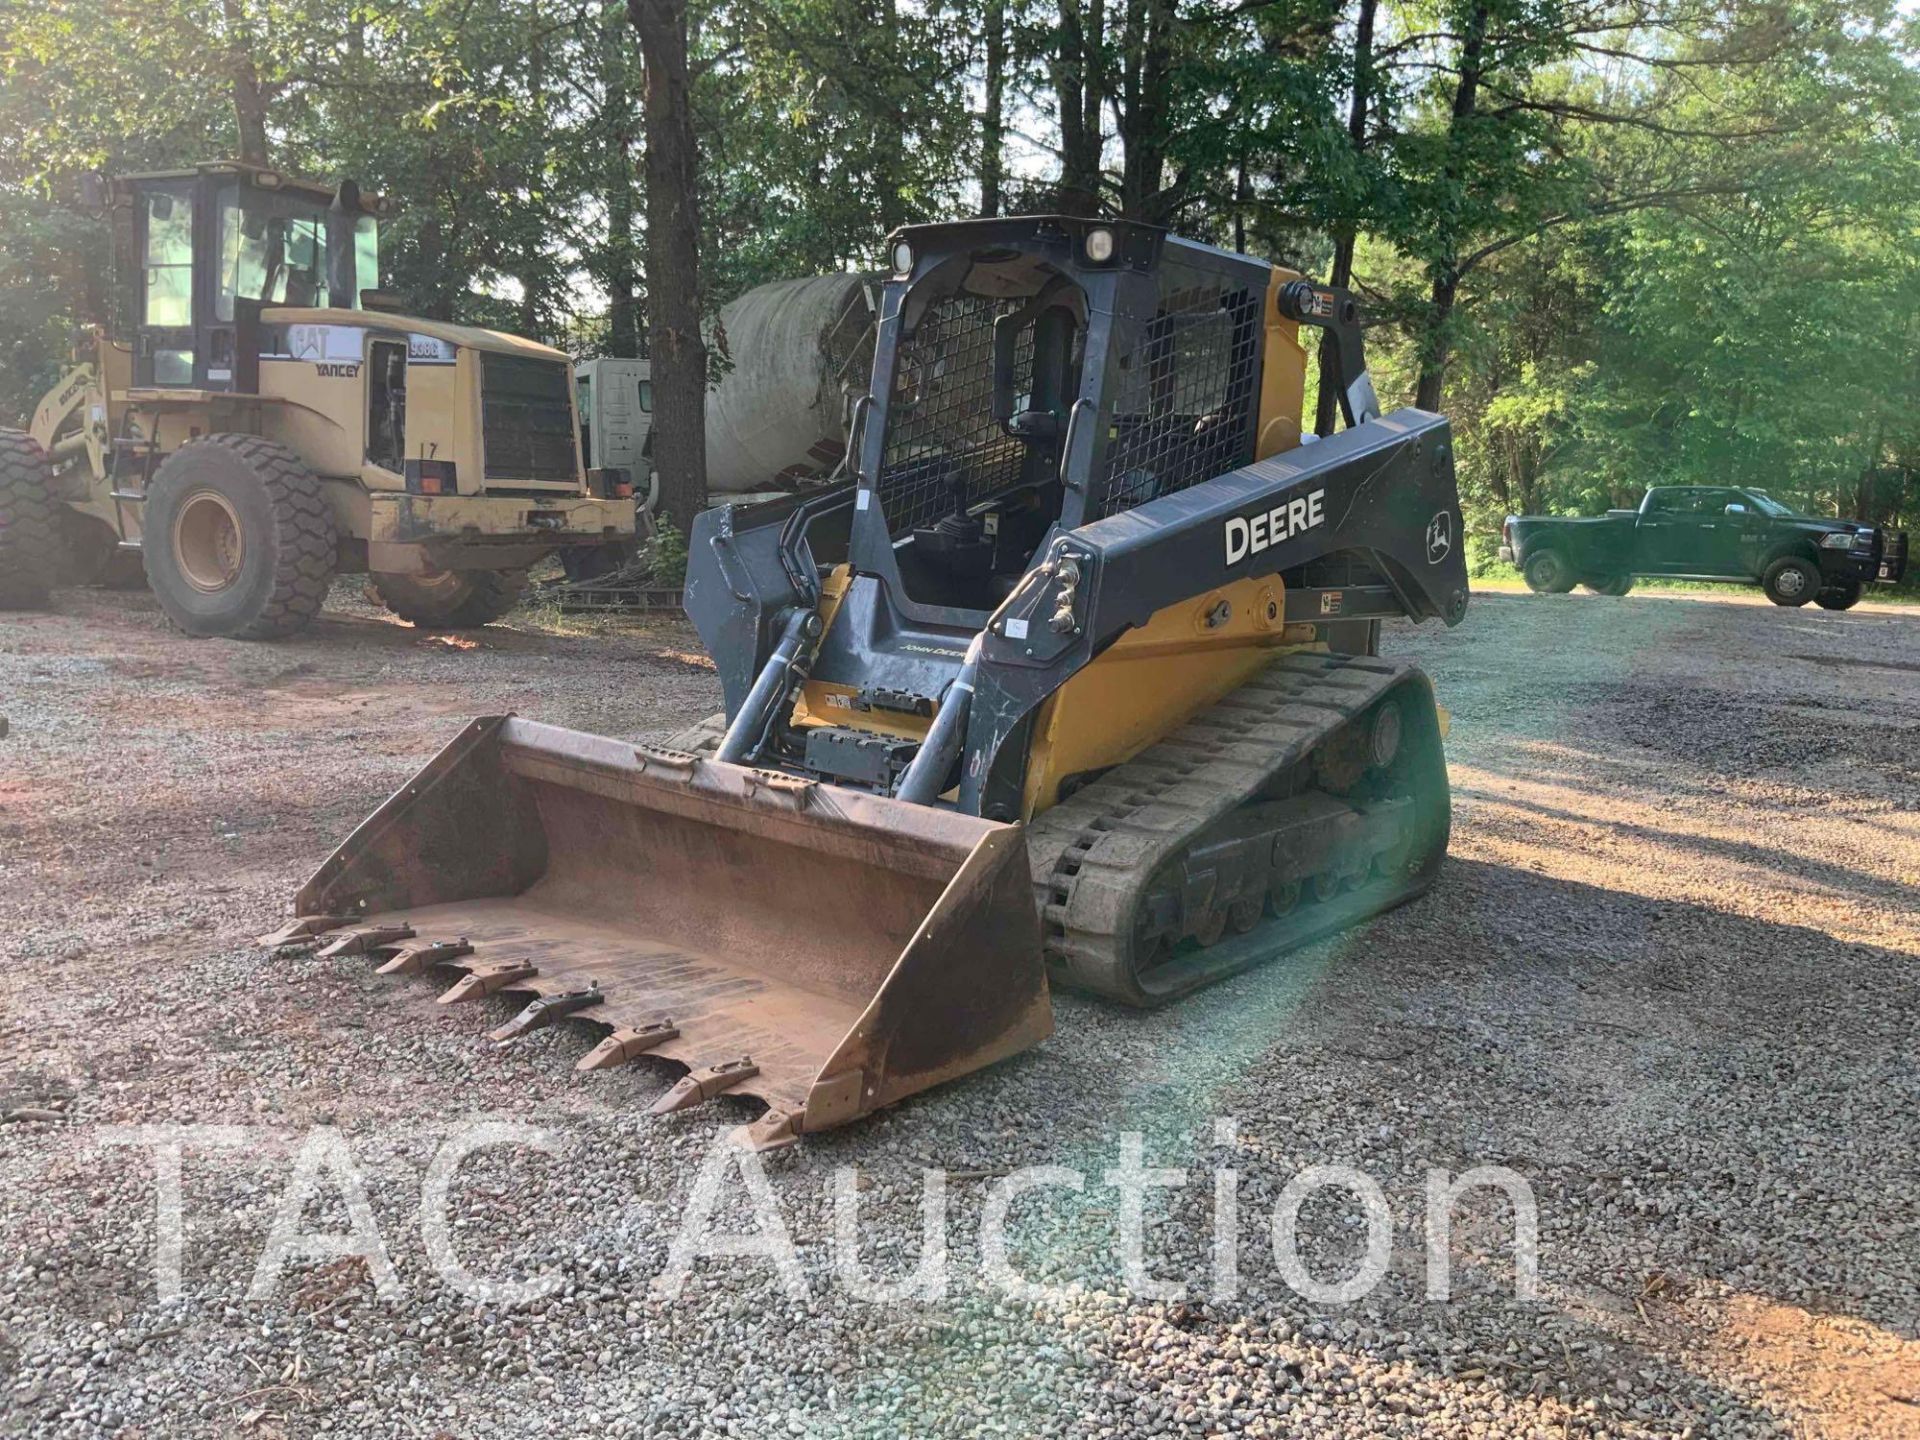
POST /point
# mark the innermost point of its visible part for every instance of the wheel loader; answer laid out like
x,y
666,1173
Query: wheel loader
x,y
260,419
1076,682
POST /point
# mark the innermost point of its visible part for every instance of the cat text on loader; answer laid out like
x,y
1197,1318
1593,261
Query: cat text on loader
x,y
1076,680
258,419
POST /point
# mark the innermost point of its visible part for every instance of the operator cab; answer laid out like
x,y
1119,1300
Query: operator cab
x,y
208,246
1037,372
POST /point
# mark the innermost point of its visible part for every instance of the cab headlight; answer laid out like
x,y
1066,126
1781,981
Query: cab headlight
x,y
1100,246
1838,541
903,258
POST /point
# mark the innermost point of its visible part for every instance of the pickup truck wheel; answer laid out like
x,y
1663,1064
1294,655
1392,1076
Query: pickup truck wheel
x,y
1843,596
1548,574
1610,585
1791,581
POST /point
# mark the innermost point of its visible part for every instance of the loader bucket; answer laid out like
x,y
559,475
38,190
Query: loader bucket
x,y
827,950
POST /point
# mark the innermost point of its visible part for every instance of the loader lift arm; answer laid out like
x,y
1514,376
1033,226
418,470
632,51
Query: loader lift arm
x,y
1379,489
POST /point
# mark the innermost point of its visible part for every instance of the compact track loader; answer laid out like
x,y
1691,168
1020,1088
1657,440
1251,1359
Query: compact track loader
x,y
1076,681
258,419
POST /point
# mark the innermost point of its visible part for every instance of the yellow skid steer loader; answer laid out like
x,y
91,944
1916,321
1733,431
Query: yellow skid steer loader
x,y
1076,680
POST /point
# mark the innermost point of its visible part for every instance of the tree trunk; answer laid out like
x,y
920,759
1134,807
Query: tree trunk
x,y
677,351
1344,239
890,176
1146,72
249,96
1446,270
533,303
993,158
1079,150
622,279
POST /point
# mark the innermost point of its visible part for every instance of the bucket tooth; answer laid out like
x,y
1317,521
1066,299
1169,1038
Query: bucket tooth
x,y
412,959
624,1045
485,979
704,1084
546,1010
774,1130
364,940
305,927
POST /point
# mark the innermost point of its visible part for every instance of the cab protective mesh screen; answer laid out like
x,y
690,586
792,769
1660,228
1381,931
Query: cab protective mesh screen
x,y
1184,408
940,427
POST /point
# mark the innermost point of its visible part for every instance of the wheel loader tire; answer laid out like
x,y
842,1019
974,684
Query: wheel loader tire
x,y
96,556
1615,585
239,540
1839,597
594,562
33,552
451,599
1549,574
1791,581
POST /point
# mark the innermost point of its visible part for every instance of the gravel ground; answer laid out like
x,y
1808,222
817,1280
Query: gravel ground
x,y
1667,979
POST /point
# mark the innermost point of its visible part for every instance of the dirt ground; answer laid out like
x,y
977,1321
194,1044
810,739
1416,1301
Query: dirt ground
x,y
1669,977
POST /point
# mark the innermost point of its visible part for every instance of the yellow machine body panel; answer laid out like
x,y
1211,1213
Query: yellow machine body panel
x,y
821,702
314,400
326,369
1155,678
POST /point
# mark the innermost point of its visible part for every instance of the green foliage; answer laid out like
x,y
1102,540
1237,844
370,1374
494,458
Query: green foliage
x,y
665,553
1667,241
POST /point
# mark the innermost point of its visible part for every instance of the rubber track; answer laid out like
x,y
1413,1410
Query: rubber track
x,y
1094,852
305,544
489,594
32,546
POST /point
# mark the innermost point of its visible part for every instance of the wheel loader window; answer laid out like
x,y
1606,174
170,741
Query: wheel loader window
x,y
243,258
387,404
169,257
303,280
270,256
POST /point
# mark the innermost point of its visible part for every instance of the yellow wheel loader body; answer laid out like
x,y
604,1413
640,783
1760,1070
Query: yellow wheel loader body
x,y
402,445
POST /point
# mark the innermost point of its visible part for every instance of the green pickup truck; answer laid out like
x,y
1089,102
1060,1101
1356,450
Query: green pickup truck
x,y
1707,532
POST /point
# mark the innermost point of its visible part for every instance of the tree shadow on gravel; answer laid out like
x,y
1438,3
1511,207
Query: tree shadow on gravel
x,y
1715,1115
1787,861
1713,1111
1716,1096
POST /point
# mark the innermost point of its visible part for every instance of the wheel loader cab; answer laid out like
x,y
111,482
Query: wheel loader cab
x,y
208,247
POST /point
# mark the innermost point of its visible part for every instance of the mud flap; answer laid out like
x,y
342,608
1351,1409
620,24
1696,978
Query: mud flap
x,y
849,948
